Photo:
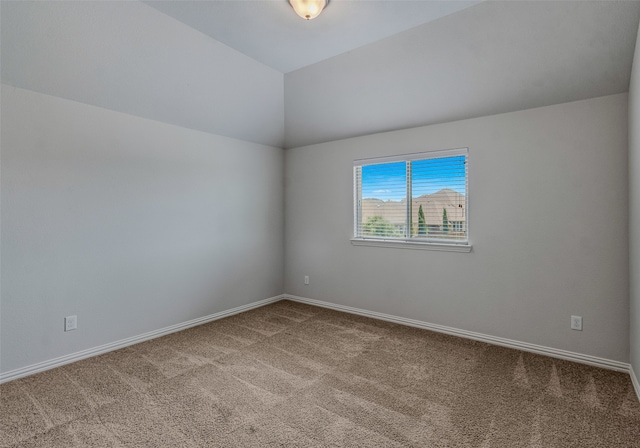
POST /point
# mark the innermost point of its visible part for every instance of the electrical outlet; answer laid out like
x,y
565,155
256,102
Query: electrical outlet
x,y
70,323
306,279
576,323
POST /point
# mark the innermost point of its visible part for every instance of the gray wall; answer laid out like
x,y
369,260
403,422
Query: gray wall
x,y
131,224
634,208
548,223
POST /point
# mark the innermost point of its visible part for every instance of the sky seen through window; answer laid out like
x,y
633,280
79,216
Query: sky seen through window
x,y
388,181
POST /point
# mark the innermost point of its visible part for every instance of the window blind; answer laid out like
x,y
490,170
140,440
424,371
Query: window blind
x,y
418,197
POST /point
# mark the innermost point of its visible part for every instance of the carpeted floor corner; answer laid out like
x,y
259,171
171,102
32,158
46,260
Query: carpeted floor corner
x,y
293,375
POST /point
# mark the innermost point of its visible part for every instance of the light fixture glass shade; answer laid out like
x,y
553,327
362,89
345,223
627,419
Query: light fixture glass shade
x,y
308,9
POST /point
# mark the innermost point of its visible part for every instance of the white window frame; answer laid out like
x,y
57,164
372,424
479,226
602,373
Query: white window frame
x,y
408,242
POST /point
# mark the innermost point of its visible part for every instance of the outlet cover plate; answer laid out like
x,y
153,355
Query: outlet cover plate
x,y
70,323
576,323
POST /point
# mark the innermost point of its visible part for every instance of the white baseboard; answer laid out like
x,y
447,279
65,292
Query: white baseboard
x,y
533,348
634,380
73,357
539,349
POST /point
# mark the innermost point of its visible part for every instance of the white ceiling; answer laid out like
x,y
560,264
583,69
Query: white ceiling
x,y
495,57
270,32
241,68
128,57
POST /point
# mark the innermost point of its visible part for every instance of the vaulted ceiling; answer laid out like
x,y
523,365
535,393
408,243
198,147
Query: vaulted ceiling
x,y
254,70
270,32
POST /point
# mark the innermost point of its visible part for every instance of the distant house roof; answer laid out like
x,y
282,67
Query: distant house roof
x,y
432,205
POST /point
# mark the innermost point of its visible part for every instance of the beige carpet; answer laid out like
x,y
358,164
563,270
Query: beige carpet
x,y
292,375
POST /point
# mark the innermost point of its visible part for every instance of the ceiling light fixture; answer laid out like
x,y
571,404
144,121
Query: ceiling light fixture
x,y
308,9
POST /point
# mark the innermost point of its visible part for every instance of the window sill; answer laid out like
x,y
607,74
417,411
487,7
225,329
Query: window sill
x,y
443,247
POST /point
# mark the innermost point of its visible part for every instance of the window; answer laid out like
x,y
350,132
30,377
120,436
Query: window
x,y
415,199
